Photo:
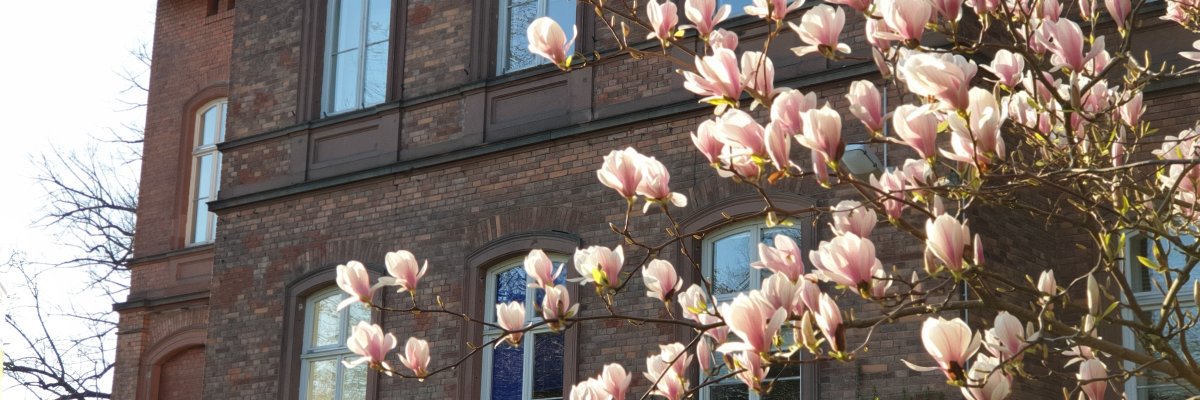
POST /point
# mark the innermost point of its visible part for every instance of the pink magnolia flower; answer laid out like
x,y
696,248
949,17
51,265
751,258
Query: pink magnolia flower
x,y
1093,295
661,280
1051,10
541,268
1008,67
354,280
706,141
1087,9
1191,55
753,372
590,389
557,307
754,321
547,39
983,6
985,381
808,295
866,104
823,132
857,5
693,301
705,15
779,146
1064,40
783,258
600,265
947,238
1131,111
718,77
1046,283
880,284
1093,375
402,266
1007,337
741,133
917,173
876,34
852,217
820,166
668,368
622,171
719,334
758,74
905,19
950,10
723,39
416,357
775,10
656,185
892,186
847,260
511,317
829,319
945,77
918,128
616,381
704,354
780,293
820,28
977,138
1119,10
663,18
789,107
1117,152
369,342
977,246
950,343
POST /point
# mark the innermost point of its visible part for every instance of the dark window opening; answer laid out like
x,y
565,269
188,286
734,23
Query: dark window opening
x,y
213,7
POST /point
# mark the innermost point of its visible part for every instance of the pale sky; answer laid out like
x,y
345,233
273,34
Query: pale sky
x,y
60,81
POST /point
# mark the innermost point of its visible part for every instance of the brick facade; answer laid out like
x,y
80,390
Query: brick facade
x,y
455,160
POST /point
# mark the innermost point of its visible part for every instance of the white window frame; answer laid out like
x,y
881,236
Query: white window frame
x,y
527,341
1150,300
199,151
502,34
336,350
331,30
756,231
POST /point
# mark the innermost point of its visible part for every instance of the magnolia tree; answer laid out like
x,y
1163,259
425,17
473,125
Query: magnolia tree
x,y
1051,128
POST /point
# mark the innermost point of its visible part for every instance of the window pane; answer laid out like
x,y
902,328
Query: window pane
x,y
548,365
345,81
322,379
1152,388
357,313
325,321
204,175
788,389
768,235
375,79
1146,280
510,286
379,20
354,381
507,363
220,128
208,127
731,264
561,280
349,25
200,224
734,391
737,7
562,12
517,55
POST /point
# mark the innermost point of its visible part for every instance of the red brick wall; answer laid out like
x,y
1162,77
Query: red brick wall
x,y
182,377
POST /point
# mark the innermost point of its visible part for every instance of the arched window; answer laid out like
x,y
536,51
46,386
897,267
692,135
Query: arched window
x,y
322,373
534,371
726,256
206,171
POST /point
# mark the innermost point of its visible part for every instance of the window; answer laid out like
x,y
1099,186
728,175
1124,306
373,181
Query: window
x,y
206,171
323,376
726,259
737,7
515,17
535,370
356,54
1148,287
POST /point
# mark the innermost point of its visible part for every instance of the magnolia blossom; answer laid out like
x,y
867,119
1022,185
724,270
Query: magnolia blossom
x,y
1064,40
983,6
847,260
402,266
986,381
1191,55
880,284
850,216
705,15
1131,112
829,319
905,19
866,104
600,265
1051,10
655,185
823,132
622,171
1046,283
668,368
539,266
1007,337
718,77
663,18
916,173
511,317
1093,375
741,133
779,146
547,39
917,127
808,294
857,5
369,342
693,301
775,10
1008,67
945,77
1119,10
783,257
723,39
789,106
753,320
1093,295
590,389
946,239
758,73
661,280
753,371
354,280
891,186
615,380
780,293
704,354
820,28
706,141
557,307
950,10
950,343
416,357
977,137
876,34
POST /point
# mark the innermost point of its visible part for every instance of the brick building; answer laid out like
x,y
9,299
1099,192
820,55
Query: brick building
x,y
338,130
